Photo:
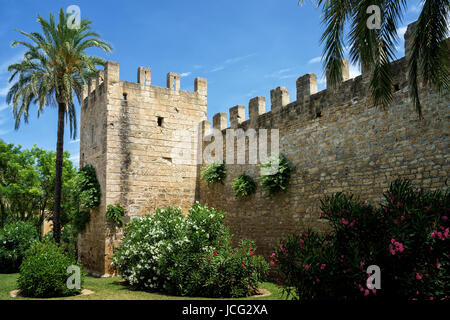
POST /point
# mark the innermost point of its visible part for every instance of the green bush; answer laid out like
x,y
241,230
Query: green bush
x,y
275,174
68,242
187,255
15,239
43,272
115,213
214,172
243,186
407,237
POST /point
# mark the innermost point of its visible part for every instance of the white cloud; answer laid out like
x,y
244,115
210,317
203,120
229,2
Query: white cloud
x,y
74,141
217,69
4,90
315,60
322,80
287,76
401,31
4,107
4,131
416,8
75,158
354,71
237,59
16,58
284,70
185,74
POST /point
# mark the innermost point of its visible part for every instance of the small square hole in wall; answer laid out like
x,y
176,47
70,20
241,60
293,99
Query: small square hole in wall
x,y
396,87
160,121
125,97
319,114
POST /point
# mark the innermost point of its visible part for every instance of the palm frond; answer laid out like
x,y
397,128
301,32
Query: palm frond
x,y
429,59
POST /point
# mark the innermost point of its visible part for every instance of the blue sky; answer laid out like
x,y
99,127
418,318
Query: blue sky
x,y
244,48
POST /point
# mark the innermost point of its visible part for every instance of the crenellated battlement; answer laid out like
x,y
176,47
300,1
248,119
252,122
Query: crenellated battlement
x,y
310,103
97,85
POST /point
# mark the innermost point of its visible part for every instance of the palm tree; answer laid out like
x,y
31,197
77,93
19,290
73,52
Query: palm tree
x,y
54,69
374,48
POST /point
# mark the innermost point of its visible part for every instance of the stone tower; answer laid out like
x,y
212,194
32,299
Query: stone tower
x,y
128,133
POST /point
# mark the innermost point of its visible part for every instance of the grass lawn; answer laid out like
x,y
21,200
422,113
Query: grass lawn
x,y
114,289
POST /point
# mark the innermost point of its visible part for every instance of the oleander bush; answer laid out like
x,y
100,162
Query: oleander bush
x,y
188,255
15,239
43,272
214,173
243,186
407,236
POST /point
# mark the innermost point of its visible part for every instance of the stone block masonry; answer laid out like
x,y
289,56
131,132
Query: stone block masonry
x,y
336,139
128,132
338,142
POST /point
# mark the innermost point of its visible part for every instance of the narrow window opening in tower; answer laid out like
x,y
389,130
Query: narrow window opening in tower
x,y
160,121
124,97
145,78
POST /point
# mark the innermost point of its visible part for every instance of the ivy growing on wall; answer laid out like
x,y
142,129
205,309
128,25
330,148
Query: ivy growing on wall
x,y
115,214
214,172
243,186
275,174
87,189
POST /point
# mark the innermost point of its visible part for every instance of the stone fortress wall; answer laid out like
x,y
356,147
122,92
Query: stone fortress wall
x,y
336,139
128,134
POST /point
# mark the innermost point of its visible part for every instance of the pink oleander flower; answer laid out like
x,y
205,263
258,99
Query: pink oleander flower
x,y
273,255
366,292
418,276
323,266
345,221
395,247
307,266
272,262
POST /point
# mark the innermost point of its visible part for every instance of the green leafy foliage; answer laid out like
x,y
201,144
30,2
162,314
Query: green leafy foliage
x,y
68,242
214,172
15,239
243,186
43,272
407,237
275,174
87,196
115,213
188,255
27,184
88,188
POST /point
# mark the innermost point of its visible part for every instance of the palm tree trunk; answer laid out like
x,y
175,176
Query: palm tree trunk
x,y
58,173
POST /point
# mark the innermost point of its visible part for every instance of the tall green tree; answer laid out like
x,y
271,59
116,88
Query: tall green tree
x,y
27,184
53,71
374,48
